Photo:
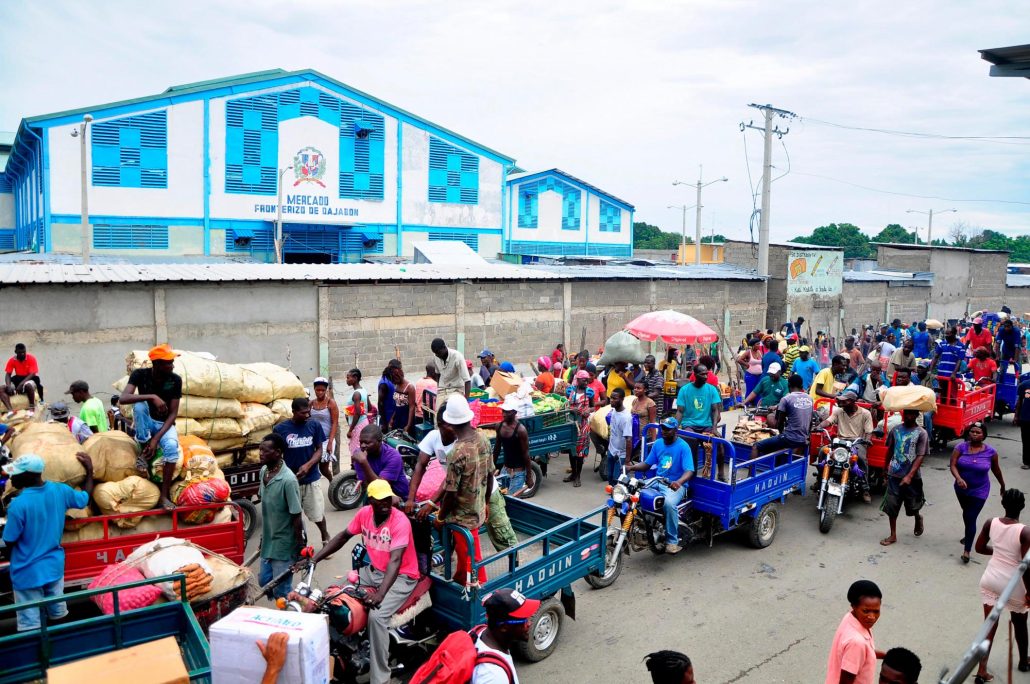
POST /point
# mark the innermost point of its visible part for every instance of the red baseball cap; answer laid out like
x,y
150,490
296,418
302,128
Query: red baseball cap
x,y
508,603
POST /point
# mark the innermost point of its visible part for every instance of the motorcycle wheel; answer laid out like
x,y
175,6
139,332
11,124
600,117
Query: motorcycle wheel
x,y
249,512
345,491
612,563
763,526
655,535
530,492
544,628
829,513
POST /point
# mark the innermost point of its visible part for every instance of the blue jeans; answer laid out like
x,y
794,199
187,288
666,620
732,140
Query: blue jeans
x,y
147,427
672,515
270,569
613,467
928,423
29,618
516,479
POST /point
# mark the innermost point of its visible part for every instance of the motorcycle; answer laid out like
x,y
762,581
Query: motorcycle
x,y
623,499
345,607
840,475
345,490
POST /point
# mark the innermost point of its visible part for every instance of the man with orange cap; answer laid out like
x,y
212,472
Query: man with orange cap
x,y
156,408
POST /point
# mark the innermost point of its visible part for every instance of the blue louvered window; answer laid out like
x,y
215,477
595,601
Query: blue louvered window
x,y
362,144
252,141
529,200
611,218
5,183
453,174
528,204
130,237
472,240
251,145
131,152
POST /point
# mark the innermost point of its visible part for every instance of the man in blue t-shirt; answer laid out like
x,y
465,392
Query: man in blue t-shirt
x,y
1007,343
671,458
949,357
35,523
304,439
771,355
806,367
1021,417
921,342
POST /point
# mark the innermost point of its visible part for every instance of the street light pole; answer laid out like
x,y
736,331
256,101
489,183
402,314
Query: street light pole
x,y
929,223
87,238
697,224
683,244
278,237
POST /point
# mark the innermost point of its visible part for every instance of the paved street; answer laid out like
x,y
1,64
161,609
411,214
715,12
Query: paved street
x,y
745,615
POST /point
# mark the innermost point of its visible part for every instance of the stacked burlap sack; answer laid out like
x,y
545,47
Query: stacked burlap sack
x,y
751,431
228,405
118,487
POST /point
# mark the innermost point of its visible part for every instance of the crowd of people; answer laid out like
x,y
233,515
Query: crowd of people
x,y
454,477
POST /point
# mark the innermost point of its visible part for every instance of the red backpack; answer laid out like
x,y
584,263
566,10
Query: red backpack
x,y
456,658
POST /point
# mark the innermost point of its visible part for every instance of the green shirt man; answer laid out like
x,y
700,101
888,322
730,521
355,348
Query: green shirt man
x,y
280,503
92,412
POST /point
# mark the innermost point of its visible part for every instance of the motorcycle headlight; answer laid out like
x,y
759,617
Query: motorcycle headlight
x,y
841,455
620,493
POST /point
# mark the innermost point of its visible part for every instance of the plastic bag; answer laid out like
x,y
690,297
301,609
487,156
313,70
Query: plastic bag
x,y
202,491
128,599
165,556
623,346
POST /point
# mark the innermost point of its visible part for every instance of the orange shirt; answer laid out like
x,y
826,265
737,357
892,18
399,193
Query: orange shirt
x,y
852,651
545,382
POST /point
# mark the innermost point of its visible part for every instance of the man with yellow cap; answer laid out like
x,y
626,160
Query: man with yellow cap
x,y
156,408
386,533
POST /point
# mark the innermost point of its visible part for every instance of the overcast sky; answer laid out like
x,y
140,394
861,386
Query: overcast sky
x,y
627,95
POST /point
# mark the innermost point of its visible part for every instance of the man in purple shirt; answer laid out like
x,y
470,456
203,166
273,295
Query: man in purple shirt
x,y
380,461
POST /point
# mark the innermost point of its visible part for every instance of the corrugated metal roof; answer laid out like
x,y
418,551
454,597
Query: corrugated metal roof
x,y
29,272
1017,280
629,272
920,278
42,273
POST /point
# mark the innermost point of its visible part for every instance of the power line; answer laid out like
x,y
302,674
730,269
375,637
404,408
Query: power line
x,y
908,194
995,139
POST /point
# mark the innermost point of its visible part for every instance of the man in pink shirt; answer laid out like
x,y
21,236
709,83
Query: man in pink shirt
x,y
427,382
386,533
853,656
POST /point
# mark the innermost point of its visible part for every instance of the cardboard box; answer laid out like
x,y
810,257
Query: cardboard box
x,y
505,383
155,662
235,658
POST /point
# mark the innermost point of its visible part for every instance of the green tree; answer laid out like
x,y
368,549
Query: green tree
x,y
894,233
844,235
990,239
646,236
717,238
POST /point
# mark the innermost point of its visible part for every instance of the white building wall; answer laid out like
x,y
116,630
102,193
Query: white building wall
x,y
184,196
419,211
549,218
607,238
295,134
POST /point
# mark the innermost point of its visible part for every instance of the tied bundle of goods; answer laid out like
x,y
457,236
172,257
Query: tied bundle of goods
x,y
283,383
909,397
623,347
203,484
131,495
56,446
751,431
172,556
113,454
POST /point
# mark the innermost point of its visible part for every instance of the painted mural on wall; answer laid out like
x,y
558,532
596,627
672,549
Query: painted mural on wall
x,y
814,272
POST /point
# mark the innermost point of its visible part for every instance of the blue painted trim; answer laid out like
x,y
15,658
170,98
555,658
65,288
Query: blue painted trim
x,y
586,222
129,220
631,233
400,184
45,190
543,248
207,177
289,79
571,181
504,201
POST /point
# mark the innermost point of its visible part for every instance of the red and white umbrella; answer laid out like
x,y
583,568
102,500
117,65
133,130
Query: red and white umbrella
x,y
672,327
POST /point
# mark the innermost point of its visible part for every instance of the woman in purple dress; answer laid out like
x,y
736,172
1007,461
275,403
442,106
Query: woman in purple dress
x,y
972,462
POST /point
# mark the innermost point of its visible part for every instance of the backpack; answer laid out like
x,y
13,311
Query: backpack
x,y
456,658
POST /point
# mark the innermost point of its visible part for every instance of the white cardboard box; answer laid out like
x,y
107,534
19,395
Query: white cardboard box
x,y
235,658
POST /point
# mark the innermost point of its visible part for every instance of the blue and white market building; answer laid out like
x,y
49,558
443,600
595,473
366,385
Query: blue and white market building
x,y
203,169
